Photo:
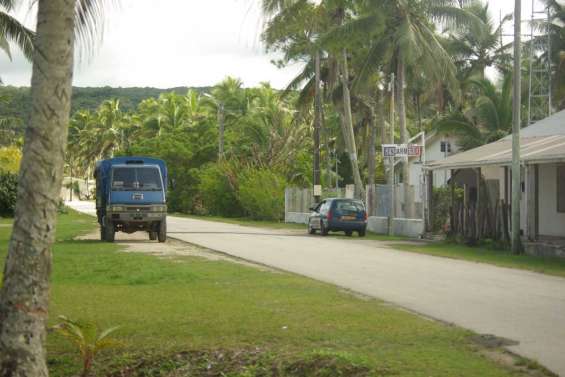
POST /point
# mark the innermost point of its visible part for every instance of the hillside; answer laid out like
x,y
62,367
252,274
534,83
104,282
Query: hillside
x,y
18,98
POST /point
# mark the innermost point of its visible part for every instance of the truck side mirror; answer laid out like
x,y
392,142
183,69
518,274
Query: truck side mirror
x,y
172,183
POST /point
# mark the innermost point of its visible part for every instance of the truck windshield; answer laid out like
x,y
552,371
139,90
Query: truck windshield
x,y
136,178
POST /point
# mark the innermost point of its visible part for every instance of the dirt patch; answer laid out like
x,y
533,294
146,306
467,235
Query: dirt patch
x,y
248,362
172,249
5,225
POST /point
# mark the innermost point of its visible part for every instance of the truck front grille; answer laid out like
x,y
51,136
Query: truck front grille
x,y
138,209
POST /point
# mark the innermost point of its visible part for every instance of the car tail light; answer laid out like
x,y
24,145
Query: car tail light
x,y
365,215
330,215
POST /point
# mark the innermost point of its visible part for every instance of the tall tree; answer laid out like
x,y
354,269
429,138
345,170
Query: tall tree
x,y
24,295
516,124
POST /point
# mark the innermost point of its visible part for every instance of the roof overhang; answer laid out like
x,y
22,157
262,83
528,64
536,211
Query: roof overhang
x,y
533,150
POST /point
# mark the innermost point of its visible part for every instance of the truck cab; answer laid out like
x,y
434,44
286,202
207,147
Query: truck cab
x,y
131,197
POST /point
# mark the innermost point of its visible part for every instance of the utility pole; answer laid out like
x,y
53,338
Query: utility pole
x,y
516,173
392,160
317,128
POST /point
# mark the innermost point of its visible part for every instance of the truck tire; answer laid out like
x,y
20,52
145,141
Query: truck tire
x,y
162,235
109,232
152,235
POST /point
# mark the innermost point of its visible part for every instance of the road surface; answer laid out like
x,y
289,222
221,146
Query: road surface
x,y
526,307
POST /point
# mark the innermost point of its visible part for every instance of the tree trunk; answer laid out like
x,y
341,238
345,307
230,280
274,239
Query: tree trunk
x,y
25,291
408,199
371,156
221,128
317,123
348,129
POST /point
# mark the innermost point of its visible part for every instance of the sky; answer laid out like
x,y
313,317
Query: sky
x,y
185,43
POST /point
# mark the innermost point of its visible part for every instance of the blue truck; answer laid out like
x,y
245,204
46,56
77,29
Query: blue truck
x,y
131,197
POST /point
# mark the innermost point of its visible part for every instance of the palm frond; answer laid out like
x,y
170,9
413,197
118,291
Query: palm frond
x,y
12,30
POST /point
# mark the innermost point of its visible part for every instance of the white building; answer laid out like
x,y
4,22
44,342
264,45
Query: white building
x,y
485,175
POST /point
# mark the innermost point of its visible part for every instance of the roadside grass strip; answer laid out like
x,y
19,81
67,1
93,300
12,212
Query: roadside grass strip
x,y
502,258
220,318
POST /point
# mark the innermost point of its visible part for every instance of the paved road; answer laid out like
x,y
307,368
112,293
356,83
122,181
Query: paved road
x,y
523,306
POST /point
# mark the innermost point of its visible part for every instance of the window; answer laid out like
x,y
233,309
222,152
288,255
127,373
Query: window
x,y
349,206
325,208
561,188
134,178
445,147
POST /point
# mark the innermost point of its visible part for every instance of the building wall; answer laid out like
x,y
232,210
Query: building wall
x,y
433,153
551,223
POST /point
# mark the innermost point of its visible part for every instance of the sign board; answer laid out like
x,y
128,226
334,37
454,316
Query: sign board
x,y
317,190
402,150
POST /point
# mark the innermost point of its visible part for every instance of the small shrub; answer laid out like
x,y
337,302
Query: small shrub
x,y
442,205
8,193
88,339
261,194
218,192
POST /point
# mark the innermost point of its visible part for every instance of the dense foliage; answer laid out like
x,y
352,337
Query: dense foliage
x,y
374,72
8,192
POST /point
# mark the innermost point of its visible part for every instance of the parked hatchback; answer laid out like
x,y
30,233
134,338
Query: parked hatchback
x,y
331,215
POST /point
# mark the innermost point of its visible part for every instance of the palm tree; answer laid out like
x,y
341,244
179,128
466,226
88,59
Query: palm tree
x,y
487,119
405,38
11,30
479,45
24,295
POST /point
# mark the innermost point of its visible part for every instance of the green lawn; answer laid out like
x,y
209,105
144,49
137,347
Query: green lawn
x,y
503,258
171,305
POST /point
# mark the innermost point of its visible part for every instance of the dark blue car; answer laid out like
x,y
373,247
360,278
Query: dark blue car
x,y
331,215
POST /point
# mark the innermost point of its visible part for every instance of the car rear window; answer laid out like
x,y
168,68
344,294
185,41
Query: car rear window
x,y
349,206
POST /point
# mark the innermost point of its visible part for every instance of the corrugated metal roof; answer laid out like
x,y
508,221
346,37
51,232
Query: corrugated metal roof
x,y
543,149
552,125
542,142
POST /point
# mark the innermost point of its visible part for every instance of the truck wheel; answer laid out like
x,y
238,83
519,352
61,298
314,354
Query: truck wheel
x,y
152,235
109,232
162,235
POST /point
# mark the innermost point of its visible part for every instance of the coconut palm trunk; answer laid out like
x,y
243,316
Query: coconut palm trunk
x,y
348,128
401,100
372,158
25,289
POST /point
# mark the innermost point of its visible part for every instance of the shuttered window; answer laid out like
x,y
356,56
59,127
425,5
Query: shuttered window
x,y
561,188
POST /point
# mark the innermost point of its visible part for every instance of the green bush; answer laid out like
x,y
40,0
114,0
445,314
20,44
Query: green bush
x,y
442,206
8,193
261,194
217,189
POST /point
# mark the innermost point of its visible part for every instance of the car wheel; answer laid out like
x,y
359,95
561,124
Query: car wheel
x,y
362,233
152,235
348,233
323,230
310,229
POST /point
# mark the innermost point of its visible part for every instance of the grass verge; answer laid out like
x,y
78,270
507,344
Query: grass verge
x,y
501,258
167,306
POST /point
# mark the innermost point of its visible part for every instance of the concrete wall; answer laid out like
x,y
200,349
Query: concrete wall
x,y
296,217
551,222
412,228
